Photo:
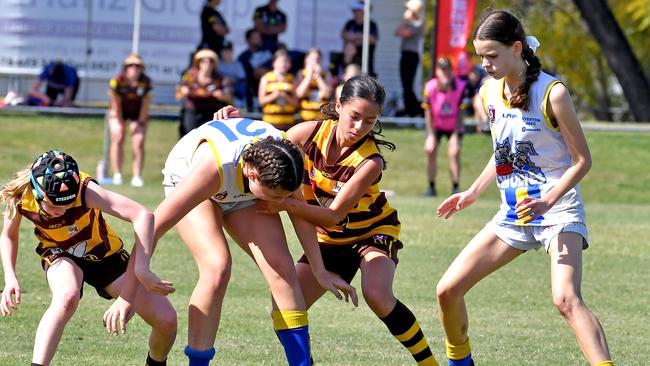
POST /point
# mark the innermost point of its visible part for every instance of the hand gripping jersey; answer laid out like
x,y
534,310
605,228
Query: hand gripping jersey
x,y
81,231
227,138
372,215
530,154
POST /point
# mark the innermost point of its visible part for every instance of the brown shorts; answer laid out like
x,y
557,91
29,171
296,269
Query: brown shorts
x,y
97,274
344,260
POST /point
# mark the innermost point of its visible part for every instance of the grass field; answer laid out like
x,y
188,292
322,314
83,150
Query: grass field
x,y
512,319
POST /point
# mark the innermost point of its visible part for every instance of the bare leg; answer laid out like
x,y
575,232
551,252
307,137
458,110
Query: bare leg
x,y
138,132
203,235
118,131
453,153
483,255
65,279
158,312
267,245
566,274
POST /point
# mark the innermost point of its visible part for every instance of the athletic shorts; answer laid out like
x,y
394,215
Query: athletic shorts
x,y
173,175
439,134
535,237
98,274
344,260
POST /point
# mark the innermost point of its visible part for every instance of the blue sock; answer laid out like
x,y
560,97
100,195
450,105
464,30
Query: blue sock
x,y
296,345
199,358
467,361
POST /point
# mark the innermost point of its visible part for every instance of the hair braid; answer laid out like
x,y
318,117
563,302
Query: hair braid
x,y
278,163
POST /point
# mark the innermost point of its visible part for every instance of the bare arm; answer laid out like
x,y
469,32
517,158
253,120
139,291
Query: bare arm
x,y
463,199
264,97
116,106
11,295
560,107
143,117
344,201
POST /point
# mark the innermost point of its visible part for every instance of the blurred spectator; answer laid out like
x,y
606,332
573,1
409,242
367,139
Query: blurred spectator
x,y
234,74
213,27
61,86
270,22
256,62
277,94
351,71
313,89
202,92
410,31
130,99
472,104
353,33
442,117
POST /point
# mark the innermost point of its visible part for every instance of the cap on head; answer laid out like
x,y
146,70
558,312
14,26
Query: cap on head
x,y
133,59
414,5
205,53
55,178
357,5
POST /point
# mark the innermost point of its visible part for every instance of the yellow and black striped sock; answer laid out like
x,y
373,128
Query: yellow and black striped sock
x,y
405,328
605,363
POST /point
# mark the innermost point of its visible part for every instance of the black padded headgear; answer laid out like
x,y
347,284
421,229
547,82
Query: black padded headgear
x,y
55,178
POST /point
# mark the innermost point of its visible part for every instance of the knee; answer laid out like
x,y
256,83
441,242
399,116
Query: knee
x,y
566,304
380,301
447,293
216,274
166,321
117,136
66,303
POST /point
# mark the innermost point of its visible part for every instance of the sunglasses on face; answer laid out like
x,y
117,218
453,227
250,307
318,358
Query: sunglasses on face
x,y
133,65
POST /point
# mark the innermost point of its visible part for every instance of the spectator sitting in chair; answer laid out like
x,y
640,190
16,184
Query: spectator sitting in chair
x,y
60,80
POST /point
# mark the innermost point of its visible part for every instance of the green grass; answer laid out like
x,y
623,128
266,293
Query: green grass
x,y
512,319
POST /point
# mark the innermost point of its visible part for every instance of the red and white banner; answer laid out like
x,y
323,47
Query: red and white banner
x,y
454,25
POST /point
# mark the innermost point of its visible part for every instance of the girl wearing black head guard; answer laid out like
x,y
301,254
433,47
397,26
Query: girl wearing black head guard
x,y
76,245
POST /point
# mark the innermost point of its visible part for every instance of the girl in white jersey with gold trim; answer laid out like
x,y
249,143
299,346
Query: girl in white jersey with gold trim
x,y
540,155
212,178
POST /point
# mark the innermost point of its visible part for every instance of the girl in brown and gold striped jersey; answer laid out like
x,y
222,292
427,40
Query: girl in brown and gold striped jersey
x,y
357,228
77,245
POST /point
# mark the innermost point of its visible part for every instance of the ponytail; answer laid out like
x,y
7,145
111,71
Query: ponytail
x,y
12,192
520,98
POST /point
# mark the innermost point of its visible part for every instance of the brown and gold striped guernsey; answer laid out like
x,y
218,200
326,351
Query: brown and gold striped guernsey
x,y
279,113
310,105
81,231
372,214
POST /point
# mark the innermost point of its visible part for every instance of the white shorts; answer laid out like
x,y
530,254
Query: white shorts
x,y
535,237
172,176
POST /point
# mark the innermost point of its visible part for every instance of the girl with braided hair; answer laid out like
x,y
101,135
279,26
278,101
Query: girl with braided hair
x,y
540,155
358,230
212,178
77,245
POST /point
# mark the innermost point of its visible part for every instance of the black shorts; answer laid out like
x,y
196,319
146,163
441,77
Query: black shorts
x,y
97,274
439,134
344,260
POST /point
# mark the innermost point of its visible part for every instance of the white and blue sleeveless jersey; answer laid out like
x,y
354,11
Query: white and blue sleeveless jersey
x,y
530,154
227,138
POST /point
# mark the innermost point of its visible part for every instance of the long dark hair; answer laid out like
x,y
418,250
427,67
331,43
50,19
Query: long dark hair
x,y
278,163
366,87
505,28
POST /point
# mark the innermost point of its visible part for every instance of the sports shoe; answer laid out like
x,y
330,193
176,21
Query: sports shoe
x,y
137,181
455,190
117,179
431,192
